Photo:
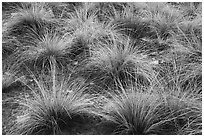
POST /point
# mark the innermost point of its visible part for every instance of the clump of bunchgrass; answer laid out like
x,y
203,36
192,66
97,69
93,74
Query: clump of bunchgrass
x,y
186,107
83,26
83,23
119,61
153,111
163,19
54,106
183,93
173,75
129,23
135,112
190,34
83,16
39,54
28,22
182,67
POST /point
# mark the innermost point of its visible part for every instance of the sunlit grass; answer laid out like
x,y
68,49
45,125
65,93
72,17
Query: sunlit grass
x,y
38,54
163,19
144,59
83,17
29,21
134,113
84,23
154,111
53,106
120,61
129,23
178,73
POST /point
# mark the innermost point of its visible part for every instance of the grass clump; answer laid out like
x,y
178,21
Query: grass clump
x,y
102,68
186,107
135,112
82,21
119,61
29,33
54,106
181,69
29,21
39,54
129,23
163,18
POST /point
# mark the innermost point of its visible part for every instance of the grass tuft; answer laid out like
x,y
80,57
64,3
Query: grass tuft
x,y
120,61
39,54
28,22
53,106
136,112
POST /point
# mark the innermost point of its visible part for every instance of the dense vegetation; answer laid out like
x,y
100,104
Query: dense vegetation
x,y
102,68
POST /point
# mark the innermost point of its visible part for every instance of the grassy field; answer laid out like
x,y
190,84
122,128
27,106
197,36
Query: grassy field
x,y
102,68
